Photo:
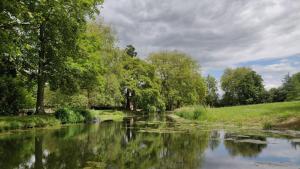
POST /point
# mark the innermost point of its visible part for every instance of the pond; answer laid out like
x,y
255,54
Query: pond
x,y
155,143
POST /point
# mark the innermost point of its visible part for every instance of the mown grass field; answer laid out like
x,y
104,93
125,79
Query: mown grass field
x,y
270,115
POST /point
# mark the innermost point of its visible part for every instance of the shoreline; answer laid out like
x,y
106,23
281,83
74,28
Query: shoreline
x,y
25,123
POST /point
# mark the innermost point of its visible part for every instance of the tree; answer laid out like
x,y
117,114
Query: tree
x,y
211,97
180,79
130,51
242,86
277,94
15,93
140,86
49,31
292,86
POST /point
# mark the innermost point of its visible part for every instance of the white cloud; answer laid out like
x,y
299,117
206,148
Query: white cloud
x,y
273,74
217,33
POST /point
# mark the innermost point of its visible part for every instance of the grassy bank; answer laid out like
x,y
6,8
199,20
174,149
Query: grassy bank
x,y
272,115
24,122
37,121
108,115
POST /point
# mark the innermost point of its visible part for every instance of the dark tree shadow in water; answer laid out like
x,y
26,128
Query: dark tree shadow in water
x,y
244,149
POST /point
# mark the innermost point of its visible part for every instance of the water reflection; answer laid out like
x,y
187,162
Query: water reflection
x,y
117,146
236,147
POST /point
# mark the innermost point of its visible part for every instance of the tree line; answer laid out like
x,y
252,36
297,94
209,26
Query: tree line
x,y
55,54
243,86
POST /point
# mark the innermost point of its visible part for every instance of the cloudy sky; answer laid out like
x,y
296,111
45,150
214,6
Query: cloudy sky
x,y
261,34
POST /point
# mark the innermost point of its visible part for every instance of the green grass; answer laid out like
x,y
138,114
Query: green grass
x,y
105,115
35,121
24,122
256,116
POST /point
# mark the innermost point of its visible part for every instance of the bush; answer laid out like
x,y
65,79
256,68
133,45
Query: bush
x,y
87,115
66,115
192,113
267,126
59,99
151,109
13,96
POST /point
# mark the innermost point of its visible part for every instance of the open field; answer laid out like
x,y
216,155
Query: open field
x,y
271,115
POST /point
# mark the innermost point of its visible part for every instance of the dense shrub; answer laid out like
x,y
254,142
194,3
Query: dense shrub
x,y
66,115
192,113
87,114
151,109
59,99
13,96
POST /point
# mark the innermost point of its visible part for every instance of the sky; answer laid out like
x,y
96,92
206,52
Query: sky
x,y
261,34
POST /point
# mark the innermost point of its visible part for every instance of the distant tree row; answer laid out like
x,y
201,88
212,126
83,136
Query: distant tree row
x,y
243,86
53,55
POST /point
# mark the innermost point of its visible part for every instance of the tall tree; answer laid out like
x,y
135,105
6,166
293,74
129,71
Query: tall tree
x,y
242,86
277,94
181,81
141,86
49,31
211,97
292,86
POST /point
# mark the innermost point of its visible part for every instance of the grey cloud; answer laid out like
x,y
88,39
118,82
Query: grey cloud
x,y
215,32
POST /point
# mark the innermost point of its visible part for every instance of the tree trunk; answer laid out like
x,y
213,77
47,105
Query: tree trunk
x,y
127,100
40,96
38,152
41,76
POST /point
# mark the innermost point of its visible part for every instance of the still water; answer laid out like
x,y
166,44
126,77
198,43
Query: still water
x,y
151,144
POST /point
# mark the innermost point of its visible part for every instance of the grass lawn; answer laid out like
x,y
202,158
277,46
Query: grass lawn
x,y
105,115
257,116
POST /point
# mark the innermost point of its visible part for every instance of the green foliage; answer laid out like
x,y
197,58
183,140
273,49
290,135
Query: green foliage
x,y
292,87
277,94
151,109
242,86
211,97
87,114
13,96
40,37
57,99
66,115
180,80
24,122
111,94
192,112
140,85
267,126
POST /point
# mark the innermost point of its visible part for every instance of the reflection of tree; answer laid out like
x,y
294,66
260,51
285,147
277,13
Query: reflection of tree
x,y
38,152
214,140
245,149
295,144
104,145
15,151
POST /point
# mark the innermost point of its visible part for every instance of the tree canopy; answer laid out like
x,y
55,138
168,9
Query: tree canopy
x,y
242,86
212,96
180,78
